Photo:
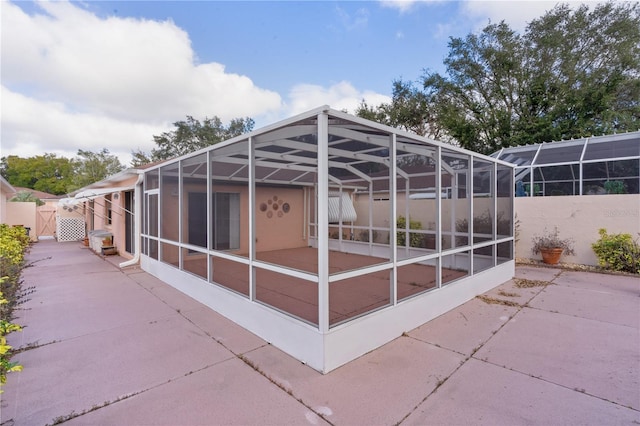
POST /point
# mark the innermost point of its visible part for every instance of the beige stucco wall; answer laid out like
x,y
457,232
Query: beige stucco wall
x,y
3,208
578,217
22,213
274,231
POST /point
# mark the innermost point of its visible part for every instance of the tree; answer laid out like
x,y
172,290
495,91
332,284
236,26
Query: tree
x,y
139,158
90,167
27,197
409,110
570,74
46,173
191,135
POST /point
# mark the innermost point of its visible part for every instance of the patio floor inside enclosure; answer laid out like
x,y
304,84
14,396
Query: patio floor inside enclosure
x,y
327,217
347,298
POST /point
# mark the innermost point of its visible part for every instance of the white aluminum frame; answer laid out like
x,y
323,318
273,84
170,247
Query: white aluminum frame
x,y
326,346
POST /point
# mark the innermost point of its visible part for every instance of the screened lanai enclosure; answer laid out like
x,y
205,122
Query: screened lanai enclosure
x,y
329,235
597,165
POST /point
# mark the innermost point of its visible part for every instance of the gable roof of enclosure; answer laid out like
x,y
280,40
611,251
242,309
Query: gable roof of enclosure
x,y
286,152
585,162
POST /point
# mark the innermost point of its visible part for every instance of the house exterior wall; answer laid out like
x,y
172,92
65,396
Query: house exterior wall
x,y
117,227
3,208
280,231
98,216
579,218
22,213
274,231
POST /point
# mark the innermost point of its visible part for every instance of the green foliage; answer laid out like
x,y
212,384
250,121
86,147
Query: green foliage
x,y
140,158
615,187
572,73
192,135
46,173
415,239
618,252
6,366
409,110
552,240
27,197
90,167
13,243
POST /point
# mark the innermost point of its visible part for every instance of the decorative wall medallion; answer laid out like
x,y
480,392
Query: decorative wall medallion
x,y
274,205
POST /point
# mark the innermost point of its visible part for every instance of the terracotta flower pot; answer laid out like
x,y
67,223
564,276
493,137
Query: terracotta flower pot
x,y
551,256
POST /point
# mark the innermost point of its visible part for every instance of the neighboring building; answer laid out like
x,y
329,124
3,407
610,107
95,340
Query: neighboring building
x,y
560,184
597,165
6,192
45,197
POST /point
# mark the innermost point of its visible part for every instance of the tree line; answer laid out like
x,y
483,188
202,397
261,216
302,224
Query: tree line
x,y
570,74
60,175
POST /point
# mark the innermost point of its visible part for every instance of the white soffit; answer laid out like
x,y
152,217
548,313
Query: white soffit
x,y
90,194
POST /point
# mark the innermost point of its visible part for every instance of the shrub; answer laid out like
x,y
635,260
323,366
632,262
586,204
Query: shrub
x,y
13,243
550,240
615,187
6,366
415,239
618,252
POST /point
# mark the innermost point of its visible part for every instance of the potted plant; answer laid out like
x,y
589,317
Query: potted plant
x,y
551,246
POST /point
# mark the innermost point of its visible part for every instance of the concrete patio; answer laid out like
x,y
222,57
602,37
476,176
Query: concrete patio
x,y
106,346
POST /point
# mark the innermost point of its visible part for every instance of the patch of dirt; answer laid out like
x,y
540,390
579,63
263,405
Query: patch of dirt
x,y
507,294
525,283
496,301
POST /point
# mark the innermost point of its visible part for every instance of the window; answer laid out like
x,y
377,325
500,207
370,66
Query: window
x,y
107,209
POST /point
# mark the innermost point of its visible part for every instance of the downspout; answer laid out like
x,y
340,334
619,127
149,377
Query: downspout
x,y
137,222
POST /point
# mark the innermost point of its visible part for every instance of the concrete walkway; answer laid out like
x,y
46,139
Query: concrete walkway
x,y
106,346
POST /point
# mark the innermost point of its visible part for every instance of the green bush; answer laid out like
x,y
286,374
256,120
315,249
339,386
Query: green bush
x,y
618,252
13,244
415,239
615,187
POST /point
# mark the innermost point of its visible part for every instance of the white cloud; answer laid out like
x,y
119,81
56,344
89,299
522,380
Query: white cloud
x,y
73,80
401,5
357,21
342,95
32,127
404,6
515,13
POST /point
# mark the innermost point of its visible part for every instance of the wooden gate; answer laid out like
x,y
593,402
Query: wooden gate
x,y
45,221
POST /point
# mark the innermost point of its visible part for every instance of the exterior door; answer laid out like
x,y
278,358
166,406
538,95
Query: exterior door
x,y
45,221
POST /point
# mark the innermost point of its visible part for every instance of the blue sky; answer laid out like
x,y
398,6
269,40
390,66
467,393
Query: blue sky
x,y
88,75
